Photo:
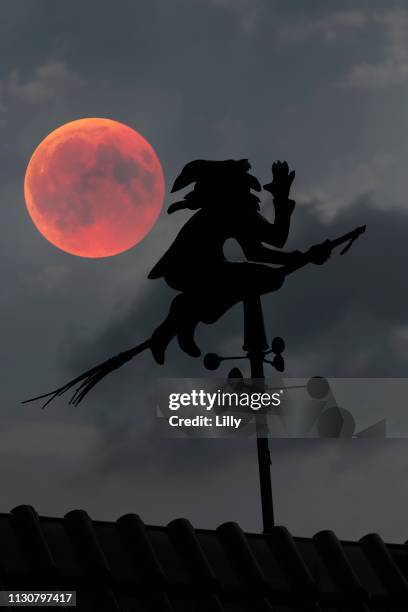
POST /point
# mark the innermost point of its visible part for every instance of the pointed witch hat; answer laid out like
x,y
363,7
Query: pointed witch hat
x,y
203,169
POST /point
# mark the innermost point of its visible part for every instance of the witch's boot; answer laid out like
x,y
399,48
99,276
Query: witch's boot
x,y
178,323
185,337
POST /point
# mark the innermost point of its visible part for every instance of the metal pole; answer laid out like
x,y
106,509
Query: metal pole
x,y
255,344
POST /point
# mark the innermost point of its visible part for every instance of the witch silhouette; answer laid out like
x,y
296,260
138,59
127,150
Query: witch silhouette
x,y
207,283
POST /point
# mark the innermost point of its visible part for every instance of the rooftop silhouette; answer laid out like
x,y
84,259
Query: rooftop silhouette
x,y
127,565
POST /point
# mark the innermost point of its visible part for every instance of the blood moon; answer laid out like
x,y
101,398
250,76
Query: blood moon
x,y
94,187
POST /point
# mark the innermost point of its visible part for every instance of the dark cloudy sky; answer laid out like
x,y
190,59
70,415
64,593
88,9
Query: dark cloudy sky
x,y
323,85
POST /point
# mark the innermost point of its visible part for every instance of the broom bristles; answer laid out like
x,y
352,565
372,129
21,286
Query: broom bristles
x,y
91,377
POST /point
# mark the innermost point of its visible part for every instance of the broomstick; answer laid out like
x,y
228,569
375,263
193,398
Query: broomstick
x,y
86,381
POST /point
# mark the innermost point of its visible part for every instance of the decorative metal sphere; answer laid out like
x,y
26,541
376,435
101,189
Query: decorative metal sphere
x,y
279,363
235,374
212,361
278,345
318,387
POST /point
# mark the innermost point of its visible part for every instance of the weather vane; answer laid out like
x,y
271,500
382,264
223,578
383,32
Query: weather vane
x,y
208,284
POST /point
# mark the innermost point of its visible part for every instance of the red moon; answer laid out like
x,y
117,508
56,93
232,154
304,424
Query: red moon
x,y
94,187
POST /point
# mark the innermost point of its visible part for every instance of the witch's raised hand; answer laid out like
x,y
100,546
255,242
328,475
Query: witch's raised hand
x,y
282,180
